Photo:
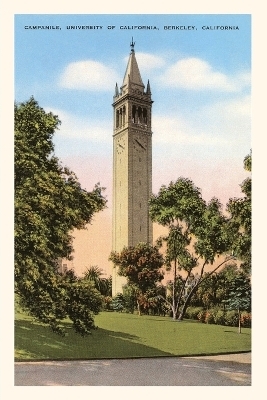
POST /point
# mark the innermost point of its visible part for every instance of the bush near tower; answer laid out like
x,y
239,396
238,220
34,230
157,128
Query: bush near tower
x,y
141,264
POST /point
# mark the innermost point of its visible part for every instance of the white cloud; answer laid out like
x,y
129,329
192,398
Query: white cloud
x,y
225,124
231,118
196,74
147,62
88,75
238,108
73,127
177,130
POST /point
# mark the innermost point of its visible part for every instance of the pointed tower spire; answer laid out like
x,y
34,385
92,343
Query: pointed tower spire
x,y
132,45
148,90
116,90
132,69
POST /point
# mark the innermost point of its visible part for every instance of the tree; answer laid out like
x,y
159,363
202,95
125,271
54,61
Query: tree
x,y
118,302
49,204
154,299
141,264
80,302
198,234
224,279
240,211
103,285
239,296
178,256
148,302
214,289
129,296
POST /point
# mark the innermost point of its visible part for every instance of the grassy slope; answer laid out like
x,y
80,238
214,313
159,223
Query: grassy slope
x,y
122,335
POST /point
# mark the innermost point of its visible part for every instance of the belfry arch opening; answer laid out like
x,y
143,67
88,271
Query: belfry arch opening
x,y
120,117
139,115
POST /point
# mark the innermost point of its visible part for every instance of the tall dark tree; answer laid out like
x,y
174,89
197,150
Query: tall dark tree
x,y
239,295
141,264
49,204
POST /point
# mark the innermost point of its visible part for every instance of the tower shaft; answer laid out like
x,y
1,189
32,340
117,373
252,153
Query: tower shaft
x,y
132,164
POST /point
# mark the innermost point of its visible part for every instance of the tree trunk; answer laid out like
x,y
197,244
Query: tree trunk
x,y
186,303
200,280
138,308
180,295
239,321
173,291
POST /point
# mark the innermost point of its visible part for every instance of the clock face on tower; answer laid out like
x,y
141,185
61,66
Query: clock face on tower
x,y
120,145
140,143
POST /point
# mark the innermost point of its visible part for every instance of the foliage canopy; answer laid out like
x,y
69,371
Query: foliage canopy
x,y
49,204
240,211
199,232
141,264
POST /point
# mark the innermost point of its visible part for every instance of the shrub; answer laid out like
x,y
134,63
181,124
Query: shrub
x,y
129,296
246,319
209,317
219,317
231,318
107,303
201,316
117,303
192,312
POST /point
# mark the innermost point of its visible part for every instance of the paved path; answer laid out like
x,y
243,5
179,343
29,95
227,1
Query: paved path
x,y
226,370
243,358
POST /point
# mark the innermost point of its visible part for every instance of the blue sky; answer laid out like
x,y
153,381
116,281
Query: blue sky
x,y
200,83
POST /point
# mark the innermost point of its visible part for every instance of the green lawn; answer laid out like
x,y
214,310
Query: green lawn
x,y
121,335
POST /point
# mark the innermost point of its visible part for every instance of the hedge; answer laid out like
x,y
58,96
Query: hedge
x,y
218,316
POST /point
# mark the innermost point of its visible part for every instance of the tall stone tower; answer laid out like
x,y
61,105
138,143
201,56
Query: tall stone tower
x,y
132,164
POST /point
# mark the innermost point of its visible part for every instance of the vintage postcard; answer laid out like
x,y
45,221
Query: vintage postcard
x,y
143,103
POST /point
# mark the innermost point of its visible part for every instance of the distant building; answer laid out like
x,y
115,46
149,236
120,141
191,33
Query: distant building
x,y
132,164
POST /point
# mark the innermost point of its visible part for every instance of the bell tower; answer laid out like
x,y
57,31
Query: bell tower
x,y
132,163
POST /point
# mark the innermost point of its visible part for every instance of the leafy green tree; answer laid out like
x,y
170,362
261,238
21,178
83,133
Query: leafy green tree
x,y
155,300
49,204
215,288
141,264
206,294
129,295
149,302
239,296
118,302
103,285
81,302
198,234
240,211
223,280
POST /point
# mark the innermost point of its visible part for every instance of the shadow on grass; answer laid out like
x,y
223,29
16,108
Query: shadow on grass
x,y
34,341
235,332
